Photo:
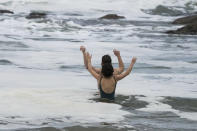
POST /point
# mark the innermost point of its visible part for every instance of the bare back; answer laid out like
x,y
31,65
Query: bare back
x,y
108,85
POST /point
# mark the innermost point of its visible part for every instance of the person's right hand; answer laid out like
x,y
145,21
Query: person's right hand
x,y
83,49
133,60
116,52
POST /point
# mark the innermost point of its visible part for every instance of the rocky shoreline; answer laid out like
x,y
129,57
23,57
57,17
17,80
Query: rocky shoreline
x,y
40,14
6,12
189,22
189,28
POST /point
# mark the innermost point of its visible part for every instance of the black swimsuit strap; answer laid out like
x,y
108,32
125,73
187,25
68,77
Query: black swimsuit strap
x,y
100,80
114,79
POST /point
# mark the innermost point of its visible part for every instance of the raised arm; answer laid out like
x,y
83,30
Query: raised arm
x,y
120,62
83,50
90,69
128,71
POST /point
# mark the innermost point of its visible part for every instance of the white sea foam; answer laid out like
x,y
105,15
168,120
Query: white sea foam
x,y
38,96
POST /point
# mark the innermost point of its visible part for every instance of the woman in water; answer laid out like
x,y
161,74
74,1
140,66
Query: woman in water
x,y
107,79
105,59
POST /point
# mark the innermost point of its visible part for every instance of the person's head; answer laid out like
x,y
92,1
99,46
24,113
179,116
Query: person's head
x,y
106,59
107,70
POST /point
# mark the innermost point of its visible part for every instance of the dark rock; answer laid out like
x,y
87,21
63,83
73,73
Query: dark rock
x,y
193,62
36,15
186,20
171,32
5,62
190,29
3,123
164,11
112,16
106,123
6,11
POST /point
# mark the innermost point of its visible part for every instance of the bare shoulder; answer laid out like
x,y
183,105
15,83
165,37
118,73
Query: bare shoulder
x,y
98,70
119,76
116,78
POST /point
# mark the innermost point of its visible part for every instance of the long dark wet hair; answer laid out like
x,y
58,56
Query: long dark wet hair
x,y
107,68
106,59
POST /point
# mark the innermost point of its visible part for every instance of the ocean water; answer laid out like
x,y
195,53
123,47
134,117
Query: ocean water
x,y
45,86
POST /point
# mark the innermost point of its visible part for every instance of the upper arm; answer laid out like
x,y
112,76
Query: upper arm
x,y
97,70
121,76
124,74
93,73
128,71
90,68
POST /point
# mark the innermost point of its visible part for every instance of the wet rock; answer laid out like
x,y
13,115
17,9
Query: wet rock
x,y
163,10
186,20
6,11
5,62
36,15
106,123
190,29
193,62
112,16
